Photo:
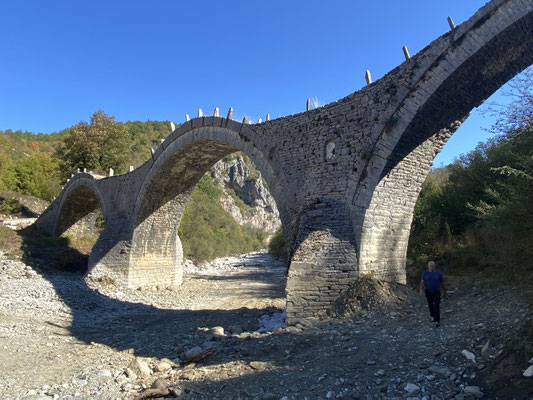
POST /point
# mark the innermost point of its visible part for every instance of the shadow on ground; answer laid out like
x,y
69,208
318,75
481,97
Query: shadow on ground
x,y
147,330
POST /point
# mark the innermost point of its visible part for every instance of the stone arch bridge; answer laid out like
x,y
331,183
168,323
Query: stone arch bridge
x,y
345,176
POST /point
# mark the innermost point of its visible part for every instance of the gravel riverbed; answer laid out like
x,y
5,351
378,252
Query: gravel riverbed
x,y
62,337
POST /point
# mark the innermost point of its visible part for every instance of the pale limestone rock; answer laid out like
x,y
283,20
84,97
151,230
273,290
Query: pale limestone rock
x,y
217,330
469,355
140,368
162,366
411,388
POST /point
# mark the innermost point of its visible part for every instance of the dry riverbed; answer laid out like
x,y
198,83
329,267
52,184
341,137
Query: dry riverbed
x,y
64,338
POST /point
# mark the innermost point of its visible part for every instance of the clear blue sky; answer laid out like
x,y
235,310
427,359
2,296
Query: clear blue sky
x,y
158,60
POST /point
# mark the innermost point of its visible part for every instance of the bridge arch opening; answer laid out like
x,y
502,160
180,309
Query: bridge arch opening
x,y
158,252
80,220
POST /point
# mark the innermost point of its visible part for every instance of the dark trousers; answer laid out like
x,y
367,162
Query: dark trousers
x,y
433,298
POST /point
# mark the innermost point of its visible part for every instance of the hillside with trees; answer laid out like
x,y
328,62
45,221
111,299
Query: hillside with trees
x,y
38,165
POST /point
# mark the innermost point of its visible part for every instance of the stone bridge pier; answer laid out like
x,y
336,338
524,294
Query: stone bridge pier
x,y
345,176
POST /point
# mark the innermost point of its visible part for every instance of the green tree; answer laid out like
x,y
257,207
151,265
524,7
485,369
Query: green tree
x,y
429,229
99,145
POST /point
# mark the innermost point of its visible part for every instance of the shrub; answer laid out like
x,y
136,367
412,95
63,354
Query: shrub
x,y
277,246
10,242
10,206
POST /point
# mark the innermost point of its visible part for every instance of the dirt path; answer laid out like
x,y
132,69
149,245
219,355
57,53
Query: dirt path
x,y
61,339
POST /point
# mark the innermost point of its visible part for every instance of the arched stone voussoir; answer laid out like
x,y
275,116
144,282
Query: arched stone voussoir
x,y
490,49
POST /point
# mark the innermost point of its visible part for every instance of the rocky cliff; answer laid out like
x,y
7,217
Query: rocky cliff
x,y
246,196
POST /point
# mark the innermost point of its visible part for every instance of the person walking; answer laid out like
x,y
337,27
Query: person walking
x,y
431,285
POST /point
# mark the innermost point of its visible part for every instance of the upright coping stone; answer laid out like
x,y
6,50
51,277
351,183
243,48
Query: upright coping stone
x,y
131,168
450,22
187,118
368,77
111,172
172,126
406,53
308,105
216,112
84,170
230,113
200,113
268,117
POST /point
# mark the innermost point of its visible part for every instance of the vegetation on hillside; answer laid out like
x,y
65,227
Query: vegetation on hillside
x,y
143,137
38,165
207,231
35,174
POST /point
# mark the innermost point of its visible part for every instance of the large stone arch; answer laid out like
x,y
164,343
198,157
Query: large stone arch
x,y
79,202
156,253
476,59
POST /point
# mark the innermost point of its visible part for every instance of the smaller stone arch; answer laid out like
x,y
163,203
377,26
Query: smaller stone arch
x,y
78,206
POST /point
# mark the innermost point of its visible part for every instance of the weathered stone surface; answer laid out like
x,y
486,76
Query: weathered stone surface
x,y
345,176
411,388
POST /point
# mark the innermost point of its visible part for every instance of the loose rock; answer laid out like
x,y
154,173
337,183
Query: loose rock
x,y
475,391
411,388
